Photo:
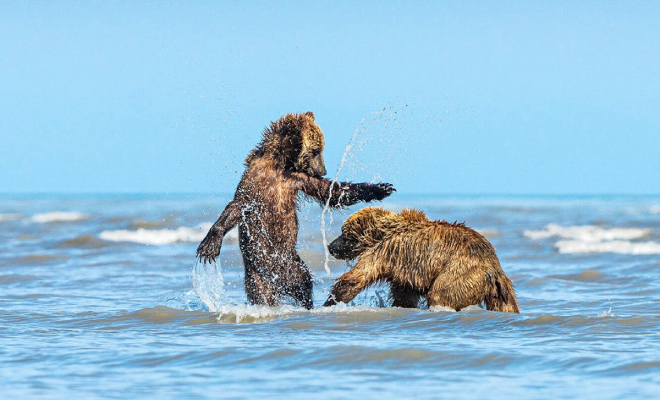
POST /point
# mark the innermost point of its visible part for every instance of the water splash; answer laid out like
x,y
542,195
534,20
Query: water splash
x,y
209,285
388,117
607,313
344,157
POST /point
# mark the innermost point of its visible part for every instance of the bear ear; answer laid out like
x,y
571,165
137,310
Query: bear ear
x,y
311,115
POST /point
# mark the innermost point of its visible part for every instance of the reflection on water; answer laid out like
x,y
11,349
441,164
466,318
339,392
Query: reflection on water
x,y
88,315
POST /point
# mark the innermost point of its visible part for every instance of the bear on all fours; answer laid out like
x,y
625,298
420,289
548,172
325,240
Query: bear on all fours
x,y
450,265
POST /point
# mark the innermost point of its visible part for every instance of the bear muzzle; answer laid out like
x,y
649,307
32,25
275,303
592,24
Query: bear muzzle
x,y
341,249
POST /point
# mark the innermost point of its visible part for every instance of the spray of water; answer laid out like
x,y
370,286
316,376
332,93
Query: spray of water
x,y
344,157
209,285
388,118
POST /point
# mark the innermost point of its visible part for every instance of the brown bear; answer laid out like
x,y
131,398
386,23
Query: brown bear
x,y
450,264
287,161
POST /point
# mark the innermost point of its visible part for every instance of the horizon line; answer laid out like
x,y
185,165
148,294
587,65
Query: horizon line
x,y
424,194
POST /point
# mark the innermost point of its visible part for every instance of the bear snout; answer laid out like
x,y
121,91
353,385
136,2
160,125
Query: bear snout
x,y
340,249
317,167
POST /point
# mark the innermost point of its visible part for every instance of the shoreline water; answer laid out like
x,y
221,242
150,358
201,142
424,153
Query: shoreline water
x,y
99,318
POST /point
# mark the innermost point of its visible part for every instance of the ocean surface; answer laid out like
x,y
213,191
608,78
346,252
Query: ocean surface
x,y
101,297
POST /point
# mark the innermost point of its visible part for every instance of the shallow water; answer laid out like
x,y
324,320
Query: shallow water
x,y
96,301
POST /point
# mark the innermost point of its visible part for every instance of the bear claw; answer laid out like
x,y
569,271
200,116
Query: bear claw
x,y
208,250
384,190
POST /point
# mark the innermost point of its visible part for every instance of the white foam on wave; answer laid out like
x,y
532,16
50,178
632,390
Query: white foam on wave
x,y
441,309
594,239
248,313
162,236
615,246
59,216
252,313
587,233
343,308
654,210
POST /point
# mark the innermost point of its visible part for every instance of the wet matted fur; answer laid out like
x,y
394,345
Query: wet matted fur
x,y
287,161
450,264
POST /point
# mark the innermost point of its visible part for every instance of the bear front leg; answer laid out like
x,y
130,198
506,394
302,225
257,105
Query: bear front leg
x,y
352,193
209,248
346,287
343,194
343,291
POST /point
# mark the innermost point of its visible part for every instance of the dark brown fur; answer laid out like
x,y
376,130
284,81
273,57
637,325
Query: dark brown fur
x,y
450,264
288,160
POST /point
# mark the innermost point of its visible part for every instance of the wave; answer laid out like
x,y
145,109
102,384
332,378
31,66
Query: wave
x,y
142,224
59,216
157,236
587,233
616,246
10,217
84,241
163,236
40,258
654,210
594,239
248,313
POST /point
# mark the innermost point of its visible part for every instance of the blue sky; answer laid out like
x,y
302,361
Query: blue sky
x,y
456,97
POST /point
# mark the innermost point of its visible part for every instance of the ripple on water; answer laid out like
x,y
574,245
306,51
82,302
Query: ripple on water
x,y
403,358
588,275
85,241
635,367
143,224
10,217
40,259
14,278
147,318
166,315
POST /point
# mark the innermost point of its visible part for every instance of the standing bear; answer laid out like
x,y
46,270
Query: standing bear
x,y
287,161
450,264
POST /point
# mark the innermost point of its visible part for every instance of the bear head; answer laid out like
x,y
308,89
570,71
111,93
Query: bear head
x,y
295,142
368,227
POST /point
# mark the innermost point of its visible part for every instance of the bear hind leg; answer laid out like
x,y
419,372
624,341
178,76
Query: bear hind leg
x,y
404,296
443,295
502,296
260,291
299,284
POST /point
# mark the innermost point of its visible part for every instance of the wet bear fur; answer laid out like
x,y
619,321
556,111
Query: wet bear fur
x,y
287,161
449,264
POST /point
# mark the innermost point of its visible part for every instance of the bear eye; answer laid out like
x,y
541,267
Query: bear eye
x,y
316,152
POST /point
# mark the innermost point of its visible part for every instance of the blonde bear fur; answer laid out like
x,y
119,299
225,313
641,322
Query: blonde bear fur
x,y
449,264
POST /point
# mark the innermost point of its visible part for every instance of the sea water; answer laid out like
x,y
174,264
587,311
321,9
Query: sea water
x,y
101,297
